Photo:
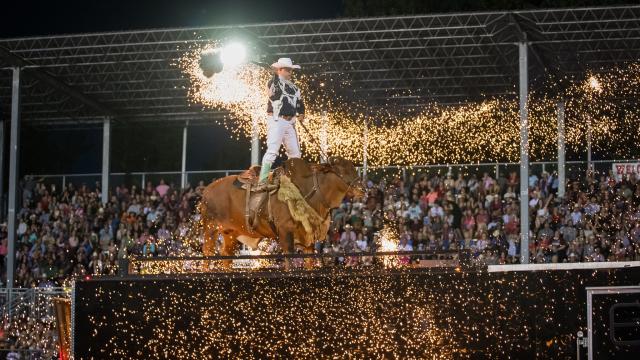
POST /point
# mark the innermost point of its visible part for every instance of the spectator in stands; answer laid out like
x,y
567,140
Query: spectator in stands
x,y
66,232
162,188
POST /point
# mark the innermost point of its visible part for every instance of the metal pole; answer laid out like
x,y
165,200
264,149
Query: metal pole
x,y
324,138
255,142
561,150
2,210
524,155
589,164
364,149
13,179
106,144
183,171
578,342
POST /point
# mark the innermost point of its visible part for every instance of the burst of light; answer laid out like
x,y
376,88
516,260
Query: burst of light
x,y
594,83
233,54
388,241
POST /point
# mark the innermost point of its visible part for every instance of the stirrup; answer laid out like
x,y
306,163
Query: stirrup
x,y
261,186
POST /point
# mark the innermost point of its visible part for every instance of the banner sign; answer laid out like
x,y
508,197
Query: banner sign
x,y
623,170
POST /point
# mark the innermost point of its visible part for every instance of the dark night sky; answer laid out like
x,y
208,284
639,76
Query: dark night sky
x,y
63,151
28,17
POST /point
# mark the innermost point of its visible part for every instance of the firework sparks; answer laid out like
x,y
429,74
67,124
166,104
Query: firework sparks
x,y
389,241
484,131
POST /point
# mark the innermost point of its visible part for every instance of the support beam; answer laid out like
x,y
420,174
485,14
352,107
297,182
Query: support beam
x,y
183,170
35,72
561,150
2,200
528,31
324,137
589,142
255,142
106,145
13,178
524,154
365,143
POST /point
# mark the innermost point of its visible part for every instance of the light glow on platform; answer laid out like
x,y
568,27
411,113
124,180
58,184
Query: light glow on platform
x,y
389,241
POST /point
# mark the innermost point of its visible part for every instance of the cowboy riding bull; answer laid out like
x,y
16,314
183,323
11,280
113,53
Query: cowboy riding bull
x,y
294,207
291,204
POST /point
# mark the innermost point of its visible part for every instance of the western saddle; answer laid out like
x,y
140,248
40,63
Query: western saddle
x,y
257,193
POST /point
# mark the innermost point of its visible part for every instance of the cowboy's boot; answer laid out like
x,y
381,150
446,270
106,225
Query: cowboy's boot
x,y
264,175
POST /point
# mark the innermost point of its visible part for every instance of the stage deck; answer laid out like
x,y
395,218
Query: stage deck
x,y
372,313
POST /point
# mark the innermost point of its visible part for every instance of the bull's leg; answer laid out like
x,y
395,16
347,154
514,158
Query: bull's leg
x,y
210,240
210,237
229,245
286,243
309,262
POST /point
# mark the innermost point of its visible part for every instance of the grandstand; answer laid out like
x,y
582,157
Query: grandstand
x,y
59,228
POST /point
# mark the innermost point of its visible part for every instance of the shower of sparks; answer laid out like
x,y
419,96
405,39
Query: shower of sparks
x,y
239,89
594,83
475,132
607,105
388,241
386,314
265,247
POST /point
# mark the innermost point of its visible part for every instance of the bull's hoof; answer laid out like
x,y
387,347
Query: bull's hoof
x,y
309,263
226,264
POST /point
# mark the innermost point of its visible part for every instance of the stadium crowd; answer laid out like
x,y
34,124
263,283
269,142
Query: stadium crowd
x,y
598,219
67,232
28,337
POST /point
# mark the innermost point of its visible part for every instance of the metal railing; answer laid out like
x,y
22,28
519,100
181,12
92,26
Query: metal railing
x,y
171,265
32,298
140,178
25,354
21,306
497,169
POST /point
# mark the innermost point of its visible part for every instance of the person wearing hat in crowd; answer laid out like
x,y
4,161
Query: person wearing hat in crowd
x,y
284,108
348,238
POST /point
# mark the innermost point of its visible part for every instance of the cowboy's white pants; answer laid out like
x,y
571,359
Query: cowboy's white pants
x,y
281,131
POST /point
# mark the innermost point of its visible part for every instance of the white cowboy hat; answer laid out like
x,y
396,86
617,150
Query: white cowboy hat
x,y
284,63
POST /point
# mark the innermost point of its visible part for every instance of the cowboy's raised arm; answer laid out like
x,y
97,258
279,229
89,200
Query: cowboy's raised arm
x,y
275,90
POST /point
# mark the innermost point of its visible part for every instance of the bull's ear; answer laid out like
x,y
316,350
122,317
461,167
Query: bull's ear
x,y
324,167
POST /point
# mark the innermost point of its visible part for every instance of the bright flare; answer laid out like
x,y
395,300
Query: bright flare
x,y
233,54
595,84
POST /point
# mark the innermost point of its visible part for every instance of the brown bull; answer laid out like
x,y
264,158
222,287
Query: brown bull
x,y
223,207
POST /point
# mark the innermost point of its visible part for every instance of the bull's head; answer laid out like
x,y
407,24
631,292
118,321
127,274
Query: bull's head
x,y
347,172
